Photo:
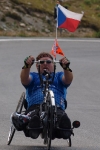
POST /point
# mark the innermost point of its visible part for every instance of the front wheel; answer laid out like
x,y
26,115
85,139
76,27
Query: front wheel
x,y
50,127
51,100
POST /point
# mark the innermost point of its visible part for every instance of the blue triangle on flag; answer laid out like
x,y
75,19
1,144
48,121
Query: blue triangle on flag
x,y
61,17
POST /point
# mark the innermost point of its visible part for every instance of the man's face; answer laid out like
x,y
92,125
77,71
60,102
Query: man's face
x,y
46,63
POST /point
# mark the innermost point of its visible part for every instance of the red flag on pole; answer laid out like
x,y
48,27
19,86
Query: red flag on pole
x,y
56,49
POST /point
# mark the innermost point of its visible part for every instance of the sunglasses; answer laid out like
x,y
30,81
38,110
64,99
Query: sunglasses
x,y
45,61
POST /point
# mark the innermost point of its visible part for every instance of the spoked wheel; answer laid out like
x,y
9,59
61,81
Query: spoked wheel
x,y
69,143
20,103
19,110
11,134
50,127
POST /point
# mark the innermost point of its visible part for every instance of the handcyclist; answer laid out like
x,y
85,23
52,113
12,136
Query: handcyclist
x,y
34,95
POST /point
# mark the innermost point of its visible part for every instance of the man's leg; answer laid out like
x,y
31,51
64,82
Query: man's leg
x,y
19,121
34,122
63,122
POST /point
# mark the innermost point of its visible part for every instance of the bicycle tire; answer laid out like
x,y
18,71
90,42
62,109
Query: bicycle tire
x,y
11,134
18,109
50,122
45,130
69,142
20,103
50,128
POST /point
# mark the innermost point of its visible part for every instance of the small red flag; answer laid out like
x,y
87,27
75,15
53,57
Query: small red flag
x,y
56,49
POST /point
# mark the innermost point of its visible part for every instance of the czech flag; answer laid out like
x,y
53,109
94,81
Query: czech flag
x,y
56,49
67,19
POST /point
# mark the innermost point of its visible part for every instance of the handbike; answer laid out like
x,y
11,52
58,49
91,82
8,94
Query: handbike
x,y
48,111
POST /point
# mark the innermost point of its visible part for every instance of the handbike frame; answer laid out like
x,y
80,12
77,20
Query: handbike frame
x,y
50,107
50,112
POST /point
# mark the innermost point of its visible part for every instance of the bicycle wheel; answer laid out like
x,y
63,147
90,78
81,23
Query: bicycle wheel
x,y
18,109
11,134
69,142
50,119
45,129
50,127
20,103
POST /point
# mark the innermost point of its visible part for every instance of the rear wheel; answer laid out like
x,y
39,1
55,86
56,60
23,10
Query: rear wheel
x,y
18,110
69,142
20,103
11,134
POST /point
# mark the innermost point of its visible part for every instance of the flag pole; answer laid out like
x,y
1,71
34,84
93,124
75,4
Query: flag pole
x,y
56,20
56,32
56,24
56,36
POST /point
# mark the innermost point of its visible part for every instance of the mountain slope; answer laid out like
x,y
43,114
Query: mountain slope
x,y
35,18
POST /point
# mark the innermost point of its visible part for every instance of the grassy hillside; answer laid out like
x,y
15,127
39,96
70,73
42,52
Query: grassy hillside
x,y
91,10
43,5
35,18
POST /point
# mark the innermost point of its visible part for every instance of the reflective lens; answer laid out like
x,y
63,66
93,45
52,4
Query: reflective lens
x,y
47,61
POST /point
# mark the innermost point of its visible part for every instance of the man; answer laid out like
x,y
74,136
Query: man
x,y
34,94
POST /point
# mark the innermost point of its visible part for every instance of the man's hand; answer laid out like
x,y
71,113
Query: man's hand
x,y
28,62
68,75
64,62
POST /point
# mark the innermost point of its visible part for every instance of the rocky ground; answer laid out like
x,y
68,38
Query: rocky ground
x,y
21,20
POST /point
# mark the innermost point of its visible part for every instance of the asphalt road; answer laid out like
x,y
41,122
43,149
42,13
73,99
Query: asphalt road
x,y
83,94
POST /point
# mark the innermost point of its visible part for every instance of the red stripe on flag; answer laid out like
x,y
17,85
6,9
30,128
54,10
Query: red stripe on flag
x,y
70,24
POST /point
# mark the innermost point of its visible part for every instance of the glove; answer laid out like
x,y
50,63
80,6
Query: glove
x,y
65,66
26,65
